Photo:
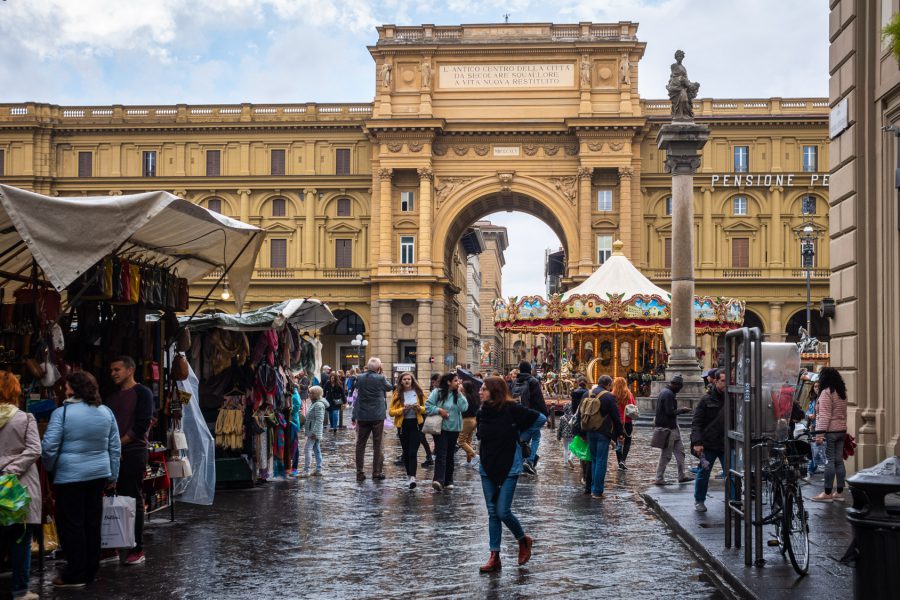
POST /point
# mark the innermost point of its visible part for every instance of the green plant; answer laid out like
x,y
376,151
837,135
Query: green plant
x,y
892,31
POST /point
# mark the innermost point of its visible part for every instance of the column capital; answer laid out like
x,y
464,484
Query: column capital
x,y
776,304
308,191
585,172
682,143
384,301
385,173
425,173
424,300
626,172
244,191
706,189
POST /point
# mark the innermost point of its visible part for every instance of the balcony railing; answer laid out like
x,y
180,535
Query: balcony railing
x,y
342,274
404,270
661,274
814,273
739,106
741,273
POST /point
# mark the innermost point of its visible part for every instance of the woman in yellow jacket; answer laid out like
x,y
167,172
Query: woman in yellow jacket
x,y
408,410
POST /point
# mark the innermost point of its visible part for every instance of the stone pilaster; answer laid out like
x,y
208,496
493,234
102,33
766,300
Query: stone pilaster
x,y
585,203
707,232
244,208
385,201
776,258
626,174
776,327
423,340
426,177
309,235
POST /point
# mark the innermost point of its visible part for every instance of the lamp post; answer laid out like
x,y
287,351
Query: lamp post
x,y
360,344
808,252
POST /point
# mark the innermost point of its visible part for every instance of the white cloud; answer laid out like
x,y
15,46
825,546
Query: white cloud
x,y
529,238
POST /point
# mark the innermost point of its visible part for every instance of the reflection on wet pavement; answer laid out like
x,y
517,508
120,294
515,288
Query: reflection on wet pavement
x,y
330,537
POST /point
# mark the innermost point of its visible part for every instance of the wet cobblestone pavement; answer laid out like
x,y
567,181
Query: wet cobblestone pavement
x,y
330,537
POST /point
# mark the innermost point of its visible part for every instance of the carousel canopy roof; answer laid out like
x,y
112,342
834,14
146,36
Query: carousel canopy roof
x,y
617,275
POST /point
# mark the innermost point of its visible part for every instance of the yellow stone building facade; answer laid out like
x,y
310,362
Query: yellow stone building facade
x,y
366,205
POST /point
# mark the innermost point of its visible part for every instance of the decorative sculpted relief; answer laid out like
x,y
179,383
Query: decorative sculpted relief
x,y
461,149
585,71
482,149
385,173
395,147
551,149
414,146
682,91
385,73
567,186
426,74
506,180
425,173
439,150
571,149
626,172
445,187
616,146
585,172
530,149
595,146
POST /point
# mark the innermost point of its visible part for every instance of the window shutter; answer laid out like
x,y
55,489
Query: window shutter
x,y
85,164
213,163
740,253
342,161
278,254
278,162
668,254
343,254
343,207
279,208
214,205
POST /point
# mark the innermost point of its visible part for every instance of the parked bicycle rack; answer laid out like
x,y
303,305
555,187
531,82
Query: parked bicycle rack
x,y
743,376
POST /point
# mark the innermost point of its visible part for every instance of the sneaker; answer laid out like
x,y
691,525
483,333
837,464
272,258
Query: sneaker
x,y
59,582
700,507
449,486
837,497
685,479
428,463
823,497
436,486
135,558
412,482
529,468
622,466
28,596
109,556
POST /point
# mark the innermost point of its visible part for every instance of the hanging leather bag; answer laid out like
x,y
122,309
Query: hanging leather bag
x,y
180,368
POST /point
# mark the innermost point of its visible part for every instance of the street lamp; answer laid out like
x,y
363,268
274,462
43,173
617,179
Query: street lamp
x,y
808,236
360,344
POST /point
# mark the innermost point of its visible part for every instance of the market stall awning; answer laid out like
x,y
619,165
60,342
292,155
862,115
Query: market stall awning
x,y
66,236
305,314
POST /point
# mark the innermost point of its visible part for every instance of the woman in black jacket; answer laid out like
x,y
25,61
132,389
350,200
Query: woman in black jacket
x,y
336,396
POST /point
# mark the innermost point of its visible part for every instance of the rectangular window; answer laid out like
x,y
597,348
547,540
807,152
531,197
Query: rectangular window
x,y
277,162
85,164
213,163
739,206
279,207
149,163
343,207
342,161
810,159
604,248
809,253
808,205
604,200
407,250
2,163
278,256
668,206
740,253
741,159
343,254
407,201
214,205
667,253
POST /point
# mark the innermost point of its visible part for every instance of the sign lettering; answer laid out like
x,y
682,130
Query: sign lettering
x,y
769,179
508,76
506,151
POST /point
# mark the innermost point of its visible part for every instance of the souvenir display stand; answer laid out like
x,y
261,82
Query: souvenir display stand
x,y
78,277
244,363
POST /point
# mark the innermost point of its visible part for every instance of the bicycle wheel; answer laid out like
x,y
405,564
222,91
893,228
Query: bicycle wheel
x,y
795,531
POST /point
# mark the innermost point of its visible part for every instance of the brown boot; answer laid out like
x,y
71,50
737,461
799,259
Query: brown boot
x,y
492,565
525,545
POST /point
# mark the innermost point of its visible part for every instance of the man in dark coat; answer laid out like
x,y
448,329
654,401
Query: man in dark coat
x,y
708,435
527,391
667,412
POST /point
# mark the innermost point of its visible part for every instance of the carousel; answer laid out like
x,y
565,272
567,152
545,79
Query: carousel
x,y
617,323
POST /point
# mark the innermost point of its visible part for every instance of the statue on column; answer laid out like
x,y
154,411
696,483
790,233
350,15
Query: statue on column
x,y
682,91
386,69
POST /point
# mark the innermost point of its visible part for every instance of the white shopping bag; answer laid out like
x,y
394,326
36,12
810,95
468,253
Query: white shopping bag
x,y
117,528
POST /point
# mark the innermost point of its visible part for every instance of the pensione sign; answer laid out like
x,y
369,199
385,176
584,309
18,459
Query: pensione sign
x,y
770,179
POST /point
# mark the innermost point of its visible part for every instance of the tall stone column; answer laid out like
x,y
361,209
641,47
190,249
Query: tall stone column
x,y
777,257
626,174
707,233
776,333
585,204
309,233
426,176
439,334
386,350
682,142
423,340
385,201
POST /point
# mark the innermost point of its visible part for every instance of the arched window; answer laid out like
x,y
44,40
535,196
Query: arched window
x,y
279,207
343,207
808,205
349,324
214,205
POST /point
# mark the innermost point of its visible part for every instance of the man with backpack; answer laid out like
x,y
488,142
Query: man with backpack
x,y
599,417
527,391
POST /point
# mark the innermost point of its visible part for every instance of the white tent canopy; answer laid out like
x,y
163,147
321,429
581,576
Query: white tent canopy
x,y
617,276
66,236
303,313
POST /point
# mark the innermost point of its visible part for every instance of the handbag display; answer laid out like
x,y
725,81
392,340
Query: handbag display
x,y
660,438
179,468
433,425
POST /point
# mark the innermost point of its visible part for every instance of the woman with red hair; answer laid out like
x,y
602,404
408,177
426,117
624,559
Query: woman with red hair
x,y
624,397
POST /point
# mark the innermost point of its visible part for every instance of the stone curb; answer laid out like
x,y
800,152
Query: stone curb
x,y
723,579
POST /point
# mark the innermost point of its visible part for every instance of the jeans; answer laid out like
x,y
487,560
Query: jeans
x,y
534,442
465,437
818,458
131,483
16,542
312,446
363,430
409,442
500,510
567,454
599,445
674,447
334,415
701,482
79,512
622,453
834,454
444,451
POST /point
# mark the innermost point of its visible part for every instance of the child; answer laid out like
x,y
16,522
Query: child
x,y
818,450
314,428
564,433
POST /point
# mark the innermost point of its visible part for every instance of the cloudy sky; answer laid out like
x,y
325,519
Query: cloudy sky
x,y
232,51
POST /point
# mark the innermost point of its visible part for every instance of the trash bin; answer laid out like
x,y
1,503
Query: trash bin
x,y
876,531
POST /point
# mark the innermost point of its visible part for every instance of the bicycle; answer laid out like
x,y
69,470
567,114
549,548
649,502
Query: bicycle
x,y
783,477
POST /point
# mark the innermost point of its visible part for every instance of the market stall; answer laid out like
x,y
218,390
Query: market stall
x,y
245,364
78,277
615,323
